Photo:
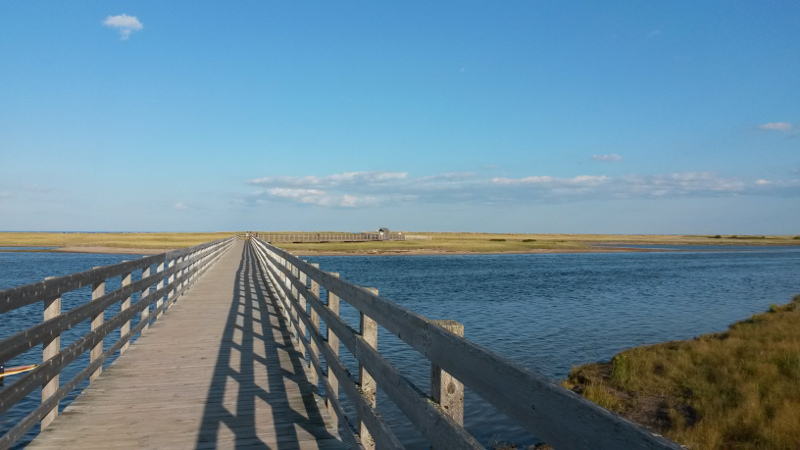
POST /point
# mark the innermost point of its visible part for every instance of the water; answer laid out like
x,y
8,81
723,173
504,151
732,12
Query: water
x,y
547,312
550,312
710,248
20,268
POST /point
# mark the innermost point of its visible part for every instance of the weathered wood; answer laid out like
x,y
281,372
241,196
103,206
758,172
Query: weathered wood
x,y
558,416
145,292
302,309
37,377
160,284
369,333
172,292
426,416
18,297
24,340
364,406
46,370
98,290
314,321
333,342
447,391
50,348
126,303
52,402
337,410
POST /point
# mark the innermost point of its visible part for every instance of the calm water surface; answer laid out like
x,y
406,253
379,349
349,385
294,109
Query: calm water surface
x,y
547,312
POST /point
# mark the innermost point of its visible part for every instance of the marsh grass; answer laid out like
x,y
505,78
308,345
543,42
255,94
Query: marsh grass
x,y
500,242
736,389
116,240
439,242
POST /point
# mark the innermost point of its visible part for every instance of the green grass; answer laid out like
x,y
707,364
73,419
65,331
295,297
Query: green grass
x,y
736,389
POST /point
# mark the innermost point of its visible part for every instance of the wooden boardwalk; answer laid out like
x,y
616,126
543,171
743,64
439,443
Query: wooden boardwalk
x,y
220,370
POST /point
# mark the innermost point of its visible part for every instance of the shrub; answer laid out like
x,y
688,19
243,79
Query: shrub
x,y
529,240
497,240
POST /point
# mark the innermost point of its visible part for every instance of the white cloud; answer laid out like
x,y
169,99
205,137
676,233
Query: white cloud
x,y
5,194
581,180
654,33
124,23
180,206
335,180
777,126
387,188
607,158
321,198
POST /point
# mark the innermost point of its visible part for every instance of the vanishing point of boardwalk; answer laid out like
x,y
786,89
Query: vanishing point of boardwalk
x,y
221,371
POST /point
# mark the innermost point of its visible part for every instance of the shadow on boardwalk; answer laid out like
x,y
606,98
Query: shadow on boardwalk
x,y
259,394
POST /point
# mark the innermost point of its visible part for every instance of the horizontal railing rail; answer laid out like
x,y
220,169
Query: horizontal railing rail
x,y
331,237
555,415
177,270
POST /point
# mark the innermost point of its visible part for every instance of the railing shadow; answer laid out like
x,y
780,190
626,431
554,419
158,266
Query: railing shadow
x,y
259,395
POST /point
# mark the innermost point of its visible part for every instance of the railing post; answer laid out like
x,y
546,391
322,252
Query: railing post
x,y
301,300
52,308
445,389
146,311
160,285
171,292
333,343
184,271
369,332
98,290
315,324
125,327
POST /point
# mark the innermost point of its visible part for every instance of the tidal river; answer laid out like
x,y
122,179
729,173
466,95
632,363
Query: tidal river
x,y
547,312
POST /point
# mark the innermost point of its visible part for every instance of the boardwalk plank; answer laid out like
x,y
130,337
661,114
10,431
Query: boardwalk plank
x,y
219,370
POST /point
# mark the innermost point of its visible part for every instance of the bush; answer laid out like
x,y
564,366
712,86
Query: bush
x,y
497,240
529,240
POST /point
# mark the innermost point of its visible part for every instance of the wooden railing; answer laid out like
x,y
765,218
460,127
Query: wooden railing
x,y
555,415
331,237
176,271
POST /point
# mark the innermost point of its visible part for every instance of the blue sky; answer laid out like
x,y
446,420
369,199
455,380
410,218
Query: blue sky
x,y
522,116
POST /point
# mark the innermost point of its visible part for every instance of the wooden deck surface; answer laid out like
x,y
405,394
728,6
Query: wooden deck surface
x,y
217,371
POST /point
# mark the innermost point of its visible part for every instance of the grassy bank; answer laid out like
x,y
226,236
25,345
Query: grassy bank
x,y
114,240
736,389
436,242
499,243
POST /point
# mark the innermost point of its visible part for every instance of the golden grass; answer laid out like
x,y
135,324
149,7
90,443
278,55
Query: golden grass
x,y
736,389
439,242
116,240
499,242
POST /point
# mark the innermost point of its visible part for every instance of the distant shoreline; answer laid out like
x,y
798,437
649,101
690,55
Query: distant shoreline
x,y
418,243
415,252
424,252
